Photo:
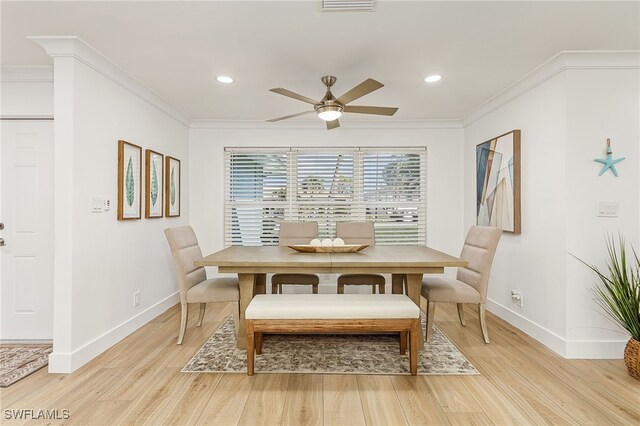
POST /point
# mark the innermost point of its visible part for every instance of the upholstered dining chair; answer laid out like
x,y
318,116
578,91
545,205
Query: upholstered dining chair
x,y
293,233
471,283
192,280
359,233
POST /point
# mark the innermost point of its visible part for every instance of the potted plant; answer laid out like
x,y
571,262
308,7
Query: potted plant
x,y
618,294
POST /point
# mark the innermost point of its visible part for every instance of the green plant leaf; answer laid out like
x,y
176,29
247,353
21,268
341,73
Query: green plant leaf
x,y
172,189
154,184
618,292
129,184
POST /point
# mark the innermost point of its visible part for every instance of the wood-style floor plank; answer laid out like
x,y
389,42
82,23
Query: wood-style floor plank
x,y
154,399
188,408
227,402
266,400
342,404
452,395
537,405
379,401
494,402
470,419
303,402
419,404
138,381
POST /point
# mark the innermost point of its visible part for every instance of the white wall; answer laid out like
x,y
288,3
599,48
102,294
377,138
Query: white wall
x,y
565,110
532,262
26,92
100,261
112,259
602,103
444,169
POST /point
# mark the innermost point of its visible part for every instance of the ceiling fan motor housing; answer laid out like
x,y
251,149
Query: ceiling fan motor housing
x,y
328,80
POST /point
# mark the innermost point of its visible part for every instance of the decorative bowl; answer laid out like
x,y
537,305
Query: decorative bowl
x,y
347,248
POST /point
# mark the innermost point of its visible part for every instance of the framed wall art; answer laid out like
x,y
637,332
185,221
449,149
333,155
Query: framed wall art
x,y
129,181
154,184
498,182
172,187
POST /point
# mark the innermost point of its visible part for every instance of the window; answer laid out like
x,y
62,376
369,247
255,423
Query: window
x,y
265,187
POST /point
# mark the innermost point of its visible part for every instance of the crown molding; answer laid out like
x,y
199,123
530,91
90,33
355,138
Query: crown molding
x,y
563,61
318,125
32,74
74,47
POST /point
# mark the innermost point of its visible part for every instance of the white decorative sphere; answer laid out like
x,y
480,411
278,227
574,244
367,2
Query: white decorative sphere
x,y
315,242
327,242
338,242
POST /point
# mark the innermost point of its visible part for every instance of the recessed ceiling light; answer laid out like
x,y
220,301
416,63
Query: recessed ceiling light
x,y
224,79
432,78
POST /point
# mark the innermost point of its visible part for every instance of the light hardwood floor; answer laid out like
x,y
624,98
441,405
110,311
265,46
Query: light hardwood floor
x,y
139,381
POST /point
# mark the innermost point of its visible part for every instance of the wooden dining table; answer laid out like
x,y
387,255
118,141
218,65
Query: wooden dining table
x,y
407,264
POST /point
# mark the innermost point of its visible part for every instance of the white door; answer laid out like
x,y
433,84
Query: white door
x,y
26,211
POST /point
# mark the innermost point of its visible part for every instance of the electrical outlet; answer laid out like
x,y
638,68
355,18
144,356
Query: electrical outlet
x,y
107,205
516,297
136,299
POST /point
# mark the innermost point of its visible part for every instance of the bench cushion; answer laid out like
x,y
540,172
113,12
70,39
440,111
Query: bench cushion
x,y
331,306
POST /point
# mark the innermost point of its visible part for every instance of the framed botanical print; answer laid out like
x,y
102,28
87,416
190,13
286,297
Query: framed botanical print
x,y
172,187
129,181
154,184
498,182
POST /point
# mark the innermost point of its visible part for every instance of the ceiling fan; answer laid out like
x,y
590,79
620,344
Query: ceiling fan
x,y
331,108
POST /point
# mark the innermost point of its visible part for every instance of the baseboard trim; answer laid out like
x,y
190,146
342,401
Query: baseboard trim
x,y
542,334
69,362
570,349
595,349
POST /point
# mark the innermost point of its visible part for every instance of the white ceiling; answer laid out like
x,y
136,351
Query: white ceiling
x,y
177,48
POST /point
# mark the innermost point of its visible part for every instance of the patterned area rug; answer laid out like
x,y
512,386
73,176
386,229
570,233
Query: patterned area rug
x,y
18,361
328,354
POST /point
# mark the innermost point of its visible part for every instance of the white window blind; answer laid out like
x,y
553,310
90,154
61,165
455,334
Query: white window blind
x,y
265,187
255,197
394,187
324,185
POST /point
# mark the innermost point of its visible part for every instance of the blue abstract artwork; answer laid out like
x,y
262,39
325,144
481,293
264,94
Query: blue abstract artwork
x,y
498,182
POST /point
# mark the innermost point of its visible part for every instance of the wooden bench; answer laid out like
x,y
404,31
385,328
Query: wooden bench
x,y
332,313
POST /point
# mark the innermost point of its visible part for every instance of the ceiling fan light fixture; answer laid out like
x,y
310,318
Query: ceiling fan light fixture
x,y
225,79
432,78
329,112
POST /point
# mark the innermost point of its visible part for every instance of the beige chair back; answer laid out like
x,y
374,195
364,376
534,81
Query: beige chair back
x,y
356,232
185,250
479,250
293,233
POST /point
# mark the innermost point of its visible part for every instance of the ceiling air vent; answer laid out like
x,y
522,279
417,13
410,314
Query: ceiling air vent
x,y
346,5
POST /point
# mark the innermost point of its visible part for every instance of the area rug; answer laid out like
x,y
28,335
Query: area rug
x,y
18,361
328,354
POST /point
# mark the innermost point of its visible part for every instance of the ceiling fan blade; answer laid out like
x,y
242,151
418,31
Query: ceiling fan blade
x,y
294,95
366,87
290,116
333,124
359,109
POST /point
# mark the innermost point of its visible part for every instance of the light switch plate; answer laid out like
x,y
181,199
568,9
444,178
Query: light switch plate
x,y
608,208
96,204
